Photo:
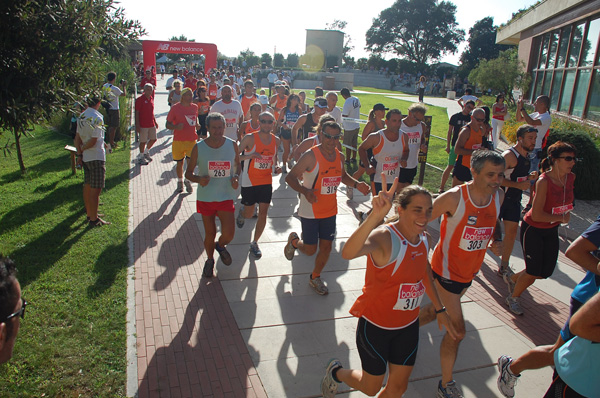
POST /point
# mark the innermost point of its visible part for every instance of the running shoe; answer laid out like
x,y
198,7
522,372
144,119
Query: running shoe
x,y
255,250
142,160
240,220
329,386
451,390
506,379
179,187
350,193
318,285
290,164
209,266
223,254
147,156
188,186
289,250
513,305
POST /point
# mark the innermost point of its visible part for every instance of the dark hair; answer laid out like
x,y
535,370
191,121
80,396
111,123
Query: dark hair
x,y
318,91
214,116
110,76
499,96
554,152
470,102
93,98
322,120
468,91
289,101
391,112
480,156
333,125
544,99
487,114
404,198
345,92
8,291
524,129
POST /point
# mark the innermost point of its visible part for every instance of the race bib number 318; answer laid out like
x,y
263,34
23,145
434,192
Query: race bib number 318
x,y
219,168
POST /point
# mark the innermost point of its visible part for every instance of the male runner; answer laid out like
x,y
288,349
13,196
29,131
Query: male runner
x,y
248,98
321,170
469,140
232,112
416,132
469,220
307,123
516,180
258,151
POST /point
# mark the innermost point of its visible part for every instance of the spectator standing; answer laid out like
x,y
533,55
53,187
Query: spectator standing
x,y
12,308
351,110
499,112
145,123
112,94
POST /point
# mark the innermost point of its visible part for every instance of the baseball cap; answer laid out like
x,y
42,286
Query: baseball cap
x,y
380,107
321,102
263,99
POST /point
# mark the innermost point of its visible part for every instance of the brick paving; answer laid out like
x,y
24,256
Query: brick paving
x,y
188,343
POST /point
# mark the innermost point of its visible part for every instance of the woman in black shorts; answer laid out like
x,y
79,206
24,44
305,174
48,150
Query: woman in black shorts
x,y
398,276
552,203
287,118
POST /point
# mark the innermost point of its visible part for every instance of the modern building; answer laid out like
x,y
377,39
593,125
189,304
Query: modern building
x,y
325,46
558,42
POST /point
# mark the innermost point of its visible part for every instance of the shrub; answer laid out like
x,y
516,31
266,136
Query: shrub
x,y
586,183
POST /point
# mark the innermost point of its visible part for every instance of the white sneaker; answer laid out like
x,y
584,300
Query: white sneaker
x,y
147,156
513,305
506,379
329,386
142,160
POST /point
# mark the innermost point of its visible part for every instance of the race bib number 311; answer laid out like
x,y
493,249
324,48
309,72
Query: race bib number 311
x,y
475,238
329,185
219,168
410,296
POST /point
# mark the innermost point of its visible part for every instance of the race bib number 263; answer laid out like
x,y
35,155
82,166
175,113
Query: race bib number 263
x,y
219,169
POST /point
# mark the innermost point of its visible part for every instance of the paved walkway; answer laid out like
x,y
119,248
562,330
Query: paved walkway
x,y
258,329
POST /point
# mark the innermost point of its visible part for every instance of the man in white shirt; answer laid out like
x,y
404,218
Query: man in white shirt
x,y
89,142
271,77
111,94
172,79
332,109
232,111
351,110
469,97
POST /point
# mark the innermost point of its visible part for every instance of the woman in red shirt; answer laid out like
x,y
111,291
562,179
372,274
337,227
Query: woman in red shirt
x,y
499,111
397,277
552,204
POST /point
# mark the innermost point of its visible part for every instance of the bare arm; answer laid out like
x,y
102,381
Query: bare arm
x,y
297,126
585,323
191,166
463,137
446,203
371,141
511,161
580,252
306,162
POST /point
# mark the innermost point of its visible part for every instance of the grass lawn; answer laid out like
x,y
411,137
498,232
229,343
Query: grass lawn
x,y
437,155
72,342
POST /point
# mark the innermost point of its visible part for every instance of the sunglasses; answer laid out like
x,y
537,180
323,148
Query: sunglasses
x,y
479,120
266,121
568,158
20,313
531,130
332,137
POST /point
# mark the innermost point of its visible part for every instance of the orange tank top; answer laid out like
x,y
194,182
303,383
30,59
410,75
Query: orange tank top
x,y
464,238
246,102
324,180
280,104
251,129
259,171
392,294
213,90
474,142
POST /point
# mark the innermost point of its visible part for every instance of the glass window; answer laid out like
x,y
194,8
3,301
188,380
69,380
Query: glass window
x,y
589,49
553,46
535,52
547,81
593,112
532,88
576,45
569,81
564,45
581,92
538,85
544,53
555,89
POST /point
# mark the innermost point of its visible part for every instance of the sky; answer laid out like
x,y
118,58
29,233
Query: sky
x,y
281,26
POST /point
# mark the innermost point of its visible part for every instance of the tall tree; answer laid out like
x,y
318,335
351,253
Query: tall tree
x,y
267,59
51,53
340,25
501,74
482,45
278,60
418,30
292,60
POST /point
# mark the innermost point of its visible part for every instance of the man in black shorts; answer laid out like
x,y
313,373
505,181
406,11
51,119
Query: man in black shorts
x,y
516,179
469,140
259,154
416,133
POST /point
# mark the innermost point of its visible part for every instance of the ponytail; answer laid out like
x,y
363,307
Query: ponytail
x,y
371,115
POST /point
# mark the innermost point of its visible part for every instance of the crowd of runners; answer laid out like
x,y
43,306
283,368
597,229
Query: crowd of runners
x,y
231,136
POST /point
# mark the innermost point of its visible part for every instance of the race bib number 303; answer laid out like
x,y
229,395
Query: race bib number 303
x,y
329,185
219,168
410,296
475,238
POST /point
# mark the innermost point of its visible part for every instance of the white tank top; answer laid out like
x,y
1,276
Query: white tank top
x,y
387,155
413,137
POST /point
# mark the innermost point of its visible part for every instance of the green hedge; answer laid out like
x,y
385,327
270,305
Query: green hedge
x,y
586,183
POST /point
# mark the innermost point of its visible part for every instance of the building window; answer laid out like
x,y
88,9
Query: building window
x,y
565,61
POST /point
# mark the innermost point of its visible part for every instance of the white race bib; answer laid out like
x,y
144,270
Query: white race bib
x,y
219,169
229,123
264,163
476,146
329,185
389,168
521,179
559,210
410,296
413,138
475,238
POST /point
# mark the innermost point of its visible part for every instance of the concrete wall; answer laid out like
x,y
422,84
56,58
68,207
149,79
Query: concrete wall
x,y
341,80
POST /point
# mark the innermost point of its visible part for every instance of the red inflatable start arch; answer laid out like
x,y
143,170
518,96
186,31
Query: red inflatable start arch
x,y
151,47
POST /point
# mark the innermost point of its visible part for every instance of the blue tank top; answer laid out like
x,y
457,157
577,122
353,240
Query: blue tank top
x,y
219,165
290,118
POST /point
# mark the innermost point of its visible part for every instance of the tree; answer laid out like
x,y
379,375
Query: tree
x,y
341,25
249,57
482,45
418,30
362,63
51,53
267,59
278,60
292,60
501,74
